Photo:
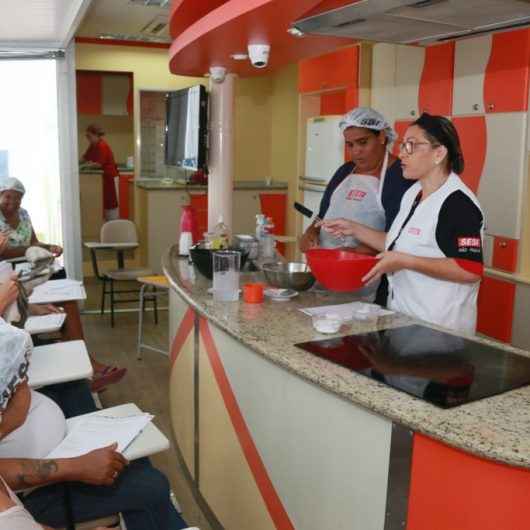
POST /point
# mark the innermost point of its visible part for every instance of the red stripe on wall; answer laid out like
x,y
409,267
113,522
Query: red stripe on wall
x,y
436,85
506,79
119,42
274,505
474,141
186,325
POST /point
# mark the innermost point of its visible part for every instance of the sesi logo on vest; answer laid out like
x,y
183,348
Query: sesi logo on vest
x,y
414,231
472,244
356,195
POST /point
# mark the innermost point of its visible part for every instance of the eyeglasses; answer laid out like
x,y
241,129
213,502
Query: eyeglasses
x,y
409,147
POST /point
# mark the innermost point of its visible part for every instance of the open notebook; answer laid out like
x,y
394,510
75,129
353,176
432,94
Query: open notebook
x,y
94,431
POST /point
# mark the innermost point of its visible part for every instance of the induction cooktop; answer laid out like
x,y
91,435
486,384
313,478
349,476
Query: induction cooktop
x,y
437,367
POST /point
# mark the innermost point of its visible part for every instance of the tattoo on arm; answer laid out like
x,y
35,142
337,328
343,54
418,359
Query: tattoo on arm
x,y
35,472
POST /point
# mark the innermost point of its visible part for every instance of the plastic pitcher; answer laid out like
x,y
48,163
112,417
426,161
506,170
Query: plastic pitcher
x,y
226,265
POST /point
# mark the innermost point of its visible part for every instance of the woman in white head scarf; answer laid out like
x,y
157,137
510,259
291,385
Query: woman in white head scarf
x,y
15,222
367,190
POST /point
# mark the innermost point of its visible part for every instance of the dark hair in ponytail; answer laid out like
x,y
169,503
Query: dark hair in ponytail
x,y
440,130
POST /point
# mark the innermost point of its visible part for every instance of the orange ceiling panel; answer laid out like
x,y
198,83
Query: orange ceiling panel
x,y
186,12
229,28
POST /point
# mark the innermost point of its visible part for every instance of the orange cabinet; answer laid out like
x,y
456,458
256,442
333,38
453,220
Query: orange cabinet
x,y
104,93
495,308
274,205
506,80
505,253
339,69
199,201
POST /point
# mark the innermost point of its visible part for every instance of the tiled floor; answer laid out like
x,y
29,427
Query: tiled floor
x,y
145,384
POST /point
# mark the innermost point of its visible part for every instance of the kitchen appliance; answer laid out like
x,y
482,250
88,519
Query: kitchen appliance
x,y
339,269
292,275
432,365
416,21
186,128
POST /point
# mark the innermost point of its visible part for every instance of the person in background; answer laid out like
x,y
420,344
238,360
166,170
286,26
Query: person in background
x,y
432,253
15,222
99,155
367,190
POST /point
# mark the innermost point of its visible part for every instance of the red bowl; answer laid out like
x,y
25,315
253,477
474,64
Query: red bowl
x,y
339,269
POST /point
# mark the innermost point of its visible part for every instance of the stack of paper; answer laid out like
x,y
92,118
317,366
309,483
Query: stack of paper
x,y
96,431
58,291
345,311
45,323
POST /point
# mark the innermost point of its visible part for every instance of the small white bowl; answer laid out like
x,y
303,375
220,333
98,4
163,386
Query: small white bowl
x,y
366,312
327,323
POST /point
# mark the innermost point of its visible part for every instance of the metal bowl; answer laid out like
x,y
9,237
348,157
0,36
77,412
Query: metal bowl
x,y
292,275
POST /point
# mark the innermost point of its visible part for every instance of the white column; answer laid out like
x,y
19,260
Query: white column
x,y
221,155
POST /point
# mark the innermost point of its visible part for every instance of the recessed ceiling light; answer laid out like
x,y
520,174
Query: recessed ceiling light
x,y
239,56
295,32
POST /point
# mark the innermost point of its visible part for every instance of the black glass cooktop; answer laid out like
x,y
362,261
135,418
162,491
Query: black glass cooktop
x,y
438,367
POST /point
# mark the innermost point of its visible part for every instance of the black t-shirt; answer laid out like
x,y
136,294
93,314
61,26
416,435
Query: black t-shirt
x,y
458,232
394,186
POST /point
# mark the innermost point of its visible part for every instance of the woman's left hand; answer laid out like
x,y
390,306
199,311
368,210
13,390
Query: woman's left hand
x,y
56,250
389,261
44,309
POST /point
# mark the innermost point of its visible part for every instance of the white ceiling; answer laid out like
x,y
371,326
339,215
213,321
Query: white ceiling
x,y
39,23
123,18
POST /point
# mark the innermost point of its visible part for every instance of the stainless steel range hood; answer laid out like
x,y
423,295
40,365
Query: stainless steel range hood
x,y
412,21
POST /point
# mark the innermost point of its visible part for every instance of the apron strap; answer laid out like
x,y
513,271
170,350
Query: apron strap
x,y
382,179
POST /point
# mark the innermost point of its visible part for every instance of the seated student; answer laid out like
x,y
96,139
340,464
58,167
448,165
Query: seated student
x,y
13,515
102,482
104,375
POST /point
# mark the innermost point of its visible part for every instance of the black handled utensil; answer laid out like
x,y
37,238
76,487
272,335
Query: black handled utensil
x,y
305,211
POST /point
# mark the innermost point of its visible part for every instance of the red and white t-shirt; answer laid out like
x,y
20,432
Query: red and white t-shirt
x,y
447,224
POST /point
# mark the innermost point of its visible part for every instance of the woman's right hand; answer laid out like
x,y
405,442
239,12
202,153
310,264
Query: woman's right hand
x,y
100,467
339,227
8,294
309,239
4,241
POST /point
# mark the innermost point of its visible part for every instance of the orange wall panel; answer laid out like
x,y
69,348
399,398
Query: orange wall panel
x,y
506,80
453,490
495,308
199,202
332,70
505,253
436,85
334,103
274,205
474,140
89,92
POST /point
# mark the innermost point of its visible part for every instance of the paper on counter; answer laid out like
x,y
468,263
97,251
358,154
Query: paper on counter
x,y
344,310
44,323
97,431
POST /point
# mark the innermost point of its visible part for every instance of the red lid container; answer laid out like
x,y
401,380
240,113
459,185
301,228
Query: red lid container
x,y
338,269
187,219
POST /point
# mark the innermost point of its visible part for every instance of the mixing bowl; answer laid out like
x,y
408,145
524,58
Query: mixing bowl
x,y
292,275
338,269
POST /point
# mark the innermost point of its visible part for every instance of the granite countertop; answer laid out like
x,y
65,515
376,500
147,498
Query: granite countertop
x,y
122,168
159,184
496,428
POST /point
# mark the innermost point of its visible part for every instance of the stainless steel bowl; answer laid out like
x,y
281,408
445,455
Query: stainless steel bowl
x,y
292,275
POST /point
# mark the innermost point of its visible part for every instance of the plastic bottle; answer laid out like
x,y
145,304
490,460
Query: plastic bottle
x,y
186,230
266,242
222,235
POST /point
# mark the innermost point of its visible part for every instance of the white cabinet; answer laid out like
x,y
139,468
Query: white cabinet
x,y
409,68
501,186
383,80
471,60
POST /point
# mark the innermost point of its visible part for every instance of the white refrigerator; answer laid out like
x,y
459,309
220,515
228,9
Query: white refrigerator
x,y
324,155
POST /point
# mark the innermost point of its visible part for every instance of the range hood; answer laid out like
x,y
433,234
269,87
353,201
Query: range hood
x,y
417,22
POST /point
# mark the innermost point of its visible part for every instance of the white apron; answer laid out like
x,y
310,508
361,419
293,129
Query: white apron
x,y
357,198
449,304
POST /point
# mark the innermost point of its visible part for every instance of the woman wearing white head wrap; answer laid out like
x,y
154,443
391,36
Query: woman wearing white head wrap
x,y
368,189
15,222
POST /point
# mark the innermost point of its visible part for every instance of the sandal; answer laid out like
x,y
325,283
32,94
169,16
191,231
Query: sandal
x,y
107,376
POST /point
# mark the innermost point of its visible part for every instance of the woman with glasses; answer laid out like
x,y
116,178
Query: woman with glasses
x,y
367,190
432,253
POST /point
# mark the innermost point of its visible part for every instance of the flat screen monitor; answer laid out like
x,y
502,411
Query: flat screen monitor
x,y
186,128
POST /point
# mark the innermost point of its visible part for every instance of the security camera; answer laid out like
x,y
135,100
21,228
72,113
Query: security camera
x,y
217,73
259,54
